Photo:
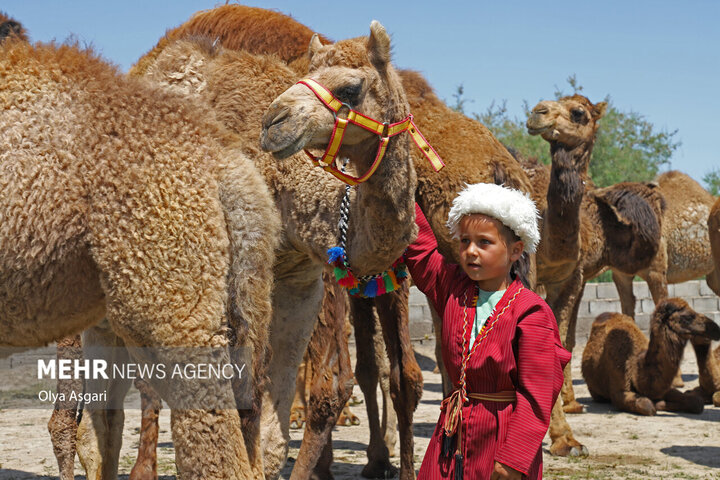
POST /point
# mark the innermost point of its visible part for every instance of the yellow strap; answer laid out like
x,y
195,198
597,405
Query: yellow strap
x,y
335,142
506,396
325,95
425,147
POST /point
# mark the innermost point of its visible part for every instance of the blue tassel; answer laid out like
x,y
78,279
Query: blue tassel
x,y
370,289
336,253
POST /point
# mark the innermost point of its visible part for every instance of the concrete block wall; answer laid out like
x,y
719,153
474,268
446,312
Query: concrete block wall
x,y
597,298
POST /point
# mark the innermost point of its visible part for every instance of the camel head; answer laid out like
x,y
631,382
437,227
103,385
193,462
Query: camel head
x,y
570,121
10,28
358,73
676,315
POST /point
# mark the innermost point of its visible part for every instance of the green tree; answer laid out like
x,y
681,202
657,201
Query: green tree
x,y
712,181
627,148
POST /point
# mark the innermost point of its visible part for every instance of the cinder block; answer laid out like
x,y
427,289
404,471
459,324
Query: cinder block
x,y
643,322
606,290
420,329
647,306
641,290
704,304
416,296
705,290
417,314
671,290
599,306
584,308
590,292
687,289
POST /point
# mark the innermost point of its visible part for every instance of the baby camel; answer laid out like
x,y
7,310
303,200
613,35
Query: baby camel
x,y
620,365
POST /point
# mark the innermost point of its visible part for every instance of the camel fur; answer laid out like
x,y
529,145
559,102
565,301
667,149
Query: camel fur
x,y
238,85
622,366
122,201
475,157
584,229
685,252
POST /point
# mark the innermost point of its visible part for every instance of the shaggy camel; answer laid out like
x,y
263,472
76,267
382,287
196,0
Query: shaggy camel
x,y
381,222
685,252
708,361
121,200
620,365
476,156
585,229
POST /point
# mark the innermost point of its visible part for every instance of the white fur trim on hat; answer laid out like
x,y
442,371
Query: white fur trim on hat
x,y
513,208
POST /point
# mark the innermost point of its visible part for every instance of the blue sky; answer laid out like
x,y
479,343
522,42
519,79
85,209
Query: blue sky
x,y
659,58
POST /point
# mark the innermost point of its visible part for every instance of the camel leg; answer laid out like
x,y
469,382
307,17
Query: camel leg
x,y
330,385
388,422
296,303
146,464
406,382
632,402
437,327
99,434
563,443
63,422
366,374
297,410
676,401
624,286
564,300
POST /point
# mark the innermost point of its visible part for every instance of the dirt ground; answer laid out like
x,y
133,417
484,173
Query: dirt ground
x,y
624,446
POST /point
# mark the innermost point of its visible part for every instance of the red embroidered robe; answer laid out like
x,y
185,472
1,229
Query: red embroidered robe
x,y
522,352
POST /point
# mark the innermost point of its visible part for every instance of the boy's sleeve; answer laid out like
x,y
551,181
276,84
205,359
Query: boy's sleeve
x,y
427,266
540,361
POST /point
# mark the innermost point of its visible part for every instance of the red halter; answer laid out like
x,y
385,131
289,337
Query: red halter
x,y
384,130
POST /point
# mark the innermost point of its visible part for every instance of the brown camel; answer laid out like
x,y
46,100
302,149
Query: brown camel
x,y
121,200
585,229
474,157
708,361
685,252
620,365
310,212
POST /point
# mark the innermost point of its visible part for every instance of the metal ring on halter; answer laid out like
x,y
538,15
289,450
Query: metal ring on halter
x,y
342,104
385,130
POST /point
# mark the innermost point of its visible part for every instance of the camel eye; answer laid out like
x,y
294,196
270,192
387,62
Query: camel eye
x,y
577,114
349,94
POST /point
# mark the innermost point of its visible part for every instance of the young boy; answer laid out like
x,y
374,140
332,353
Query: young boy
x,y
500,341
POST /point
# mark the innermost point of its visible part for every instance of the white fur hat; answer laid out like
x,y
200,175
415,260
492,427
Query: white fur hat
x,y
513,208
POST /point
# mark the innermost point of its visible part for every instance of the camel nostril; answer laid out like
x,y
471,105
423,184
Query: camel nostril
x,y
278,117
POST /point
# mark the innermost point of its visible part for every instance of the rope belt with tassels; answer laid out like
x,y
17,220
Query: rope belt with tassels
x,y
452,405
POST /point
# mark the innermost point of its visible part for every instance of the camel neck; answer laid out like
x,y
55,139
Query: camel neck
x,y
661,360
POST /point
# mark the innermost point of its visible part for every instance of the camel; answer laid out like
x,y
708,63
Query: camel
x,y
123,201
475,157
685,252
709,361
622,366
380,223
585,229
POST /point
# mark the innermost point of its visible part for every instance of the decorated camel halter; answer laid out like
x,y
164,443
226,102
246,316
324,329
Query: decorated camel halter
x,y
384,130
367,286
452,405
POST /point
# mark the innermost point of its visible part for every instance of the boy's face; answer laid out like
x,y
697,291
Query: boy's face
x,y
486,255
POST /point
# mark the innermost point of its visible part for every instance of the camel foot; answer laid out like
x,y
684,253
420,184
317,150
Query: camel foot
x,y
379,469
716,399
436,369
354,400
568,447
296,424
573,407
143,472
678,381
347,418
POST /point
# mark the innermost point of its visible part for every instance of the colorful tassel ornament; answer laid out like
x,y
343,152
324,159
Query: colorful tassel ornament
x,y
368,287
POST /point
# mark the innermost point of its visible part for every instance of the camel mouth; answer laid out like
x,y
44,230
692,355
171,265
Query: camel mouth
x,y
282,146
539,130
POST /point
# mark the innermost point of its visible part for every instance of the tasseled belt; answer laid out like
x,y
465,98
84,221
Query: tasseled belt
x,y
452,429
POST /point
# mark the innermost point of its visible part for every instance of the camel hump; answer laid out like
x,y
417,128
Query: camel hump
x,y
632,214
10,28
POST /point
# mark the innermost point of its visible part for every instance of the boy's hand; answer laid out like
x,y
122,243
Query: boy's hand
x,y
503,472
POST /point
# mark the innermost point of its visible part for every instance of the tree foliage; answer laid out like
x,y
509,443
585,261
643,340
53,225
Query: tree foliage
x,y
627,148
712,181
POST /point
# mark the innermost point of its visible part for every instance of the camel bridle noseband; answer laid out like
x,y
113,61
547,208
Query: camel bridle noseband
x,y
384,130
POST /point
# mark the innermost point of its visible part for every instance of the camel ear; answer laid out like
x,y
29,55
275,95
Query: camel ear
x,y
315,45
379,46
599,110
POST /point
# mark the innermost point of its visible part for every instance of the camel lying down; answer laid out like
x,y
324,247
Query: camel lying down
x,y
620,365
